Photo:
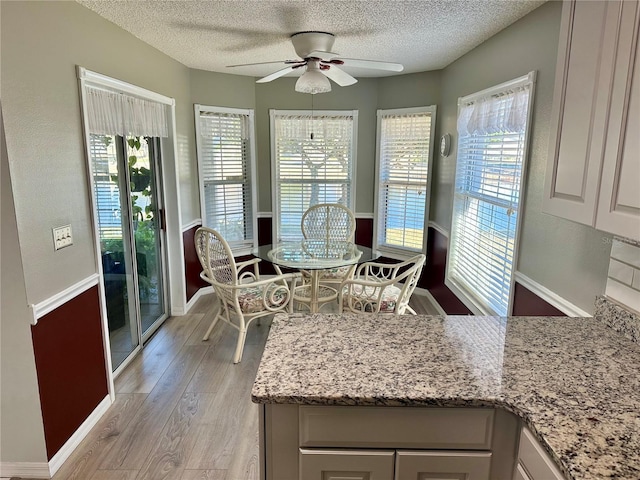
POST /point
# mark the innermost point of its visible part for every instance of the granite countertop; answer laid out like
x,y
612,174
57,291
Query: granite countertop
x,y
574,381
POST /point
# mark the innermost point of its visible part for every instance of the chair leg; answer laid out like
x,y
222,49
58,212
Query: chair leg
x,y
216,317
242,335
411,310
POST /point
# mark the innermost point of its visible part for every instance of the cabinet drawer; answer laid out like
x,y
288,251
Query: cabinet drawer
x,y
412,465
346,464
396,427
535,461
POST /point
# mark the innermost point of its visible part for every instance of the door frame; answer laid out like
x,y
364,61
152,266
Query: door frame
x,y
174,252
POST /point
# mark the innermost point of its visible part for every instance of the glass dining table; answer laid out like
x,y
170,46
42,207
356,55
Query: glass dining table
x,y
313,256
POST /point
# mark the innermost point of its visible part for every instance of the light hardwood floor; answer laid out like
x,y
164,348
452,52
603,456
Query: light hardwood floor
x,y
183,410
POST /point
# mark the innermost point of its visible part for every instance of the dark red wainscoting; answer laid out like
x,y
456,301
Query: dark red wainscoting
x,y
434,272
527,303
192,267
70,361
364,232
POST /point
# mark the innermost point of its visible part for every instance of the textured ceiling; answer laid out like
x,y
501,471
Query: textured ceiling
x,y
209,35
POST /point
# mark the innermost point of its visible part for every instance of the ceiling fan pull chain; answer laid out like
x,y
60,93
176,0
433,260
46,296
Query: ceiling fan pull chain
x,y
311,116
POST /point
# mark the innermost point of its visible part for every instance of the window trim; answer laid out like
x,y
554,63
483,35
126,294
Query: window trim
x,y
401,253
275,203
244,249
471,301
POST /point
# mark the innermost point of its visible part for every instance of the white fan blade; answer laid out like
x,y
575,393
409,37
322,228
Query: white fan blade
x,y
341,77
372,64
274,75
261,63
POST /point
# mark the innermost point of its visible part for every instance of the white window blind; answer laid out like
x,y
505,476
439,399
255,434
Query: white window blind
x,y
225,163
404,158
313,162
492,146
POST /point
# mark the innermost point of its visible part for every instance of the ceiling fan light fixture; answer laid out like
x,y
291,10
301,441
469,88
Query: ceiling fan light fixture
x,y
312,81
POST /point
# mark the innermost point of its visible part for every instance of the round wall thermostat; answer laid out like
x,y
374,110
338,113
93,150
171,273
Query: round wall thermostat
x,y
445,145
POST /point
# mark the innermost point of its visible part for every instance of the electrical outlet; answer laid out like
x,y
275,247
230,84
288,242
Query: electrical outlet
x,y
62,237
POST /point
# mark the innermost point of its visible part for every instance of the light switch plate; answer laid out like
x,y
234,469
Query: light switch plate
x,y
62,237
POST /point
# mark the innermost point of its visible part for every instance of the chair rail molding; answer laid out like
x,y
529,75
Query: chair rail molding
x,y
50,304
441,230
194,223
550,297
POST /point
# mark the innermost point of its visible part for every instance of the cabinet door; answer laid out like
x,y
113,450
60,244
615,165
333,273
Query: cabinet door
x,y
579,112
619,203
323,464
438,465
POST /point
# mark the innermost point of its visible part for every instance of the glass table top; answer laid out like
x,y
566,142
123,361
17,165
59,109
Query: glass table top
x,y
314,254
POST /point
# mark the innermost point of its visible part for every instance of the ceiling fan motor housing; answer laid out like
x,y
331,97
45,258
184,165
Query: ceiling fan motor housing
x,y
305,43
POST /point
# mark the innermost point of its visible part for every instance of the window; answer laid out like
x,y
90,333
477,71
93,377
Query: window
x,y
313,162
226,166
405,140
492,145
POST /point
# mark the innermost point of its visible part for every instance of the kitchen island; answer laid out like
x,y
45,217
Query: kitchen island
x,y
572,382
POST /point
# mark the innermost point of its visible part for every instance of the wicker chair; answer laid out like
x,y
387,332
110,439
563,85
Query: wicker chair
x,y
376,287
326,221
238,289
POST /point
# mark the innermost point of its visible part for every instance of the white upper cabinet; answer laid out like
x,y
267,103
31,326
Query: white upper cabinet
x,y
593,171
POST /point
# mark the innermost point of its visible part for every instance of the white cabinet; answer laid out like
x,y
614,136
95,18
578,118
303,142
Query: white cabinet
x,y
533,462
412,465
327,464
380,443
593,171
317,464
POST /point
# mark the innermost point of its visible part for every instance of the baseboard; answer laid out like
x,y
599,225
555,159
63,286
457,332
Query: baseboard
x,y
196,296
426,293
24,470
70,445
550,297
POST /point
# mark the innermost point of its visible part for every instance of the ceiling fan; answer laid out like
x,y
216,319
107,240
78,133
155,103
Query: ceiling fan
x,y
321,64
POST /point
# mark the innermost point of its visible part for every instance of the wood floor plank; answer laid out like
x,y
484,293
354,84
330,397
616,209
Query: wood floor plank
x,y
200,330
135,443
114,475
167,460
204,304
84,461
147,368
204,475
221,432
245,464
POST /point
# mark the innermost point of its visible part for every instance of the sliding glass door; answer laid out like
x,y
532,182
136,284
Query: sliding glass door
x,y
126,178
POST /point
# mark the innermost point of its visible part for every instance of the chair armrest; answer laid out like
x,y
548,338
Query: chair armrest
x,y
276,293
204,277
247,263
370,283
258,283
